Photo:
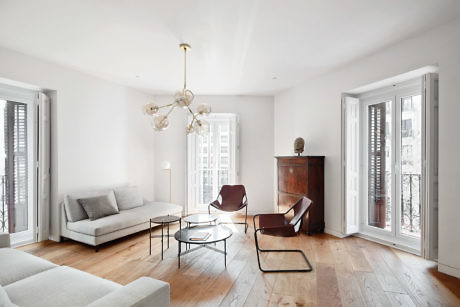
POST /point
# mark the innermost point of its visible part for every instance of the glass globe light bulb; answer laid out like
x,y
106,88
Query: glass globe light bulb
x,y
204,109
183,98
160,122
150,108
189,129
201,127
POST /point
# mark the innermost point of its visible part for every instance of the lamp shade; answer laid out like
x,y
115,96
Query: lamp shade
x,y
165,165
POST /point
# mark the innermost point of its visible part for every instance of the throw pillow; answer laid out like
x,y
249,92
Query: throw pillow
x,y
75,212
128,198
97,207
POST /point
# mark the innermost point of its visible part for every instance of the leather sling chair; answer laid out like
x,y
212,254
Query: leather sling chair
x,y
276,224
233,198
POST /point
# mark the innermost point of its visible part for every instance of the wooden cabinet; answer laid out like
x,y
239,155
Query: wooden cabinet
x,y
299,176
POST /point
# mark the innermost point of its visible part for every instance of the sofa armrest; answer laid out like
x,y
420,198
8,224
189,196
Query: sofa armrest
x,y
143,292
4,239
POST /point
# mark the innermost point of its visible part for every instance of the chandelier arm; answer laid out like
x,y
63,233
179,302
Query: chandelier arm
x,y
191,112
166,105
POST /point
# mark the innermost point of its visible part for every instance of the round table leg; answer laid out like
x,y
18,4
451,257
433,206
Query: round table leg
x,y
168,235
178,254
225,252
162,236
150,238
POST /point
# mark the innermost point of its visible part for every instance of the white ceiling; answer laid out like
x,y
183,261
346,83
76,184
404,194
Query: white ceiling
x,y
238,46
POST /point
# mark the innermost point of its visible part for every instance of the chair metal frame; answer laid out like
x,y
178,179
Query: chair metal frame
x,y
258,249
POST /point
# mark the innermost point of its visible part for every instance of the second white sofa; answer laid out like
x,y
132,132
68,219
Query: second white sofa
x,y
134,214
27,280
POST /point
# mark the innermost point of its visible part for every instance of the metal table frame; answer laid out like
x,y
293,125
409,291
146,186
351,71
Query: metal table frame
x,y
202,244
162,234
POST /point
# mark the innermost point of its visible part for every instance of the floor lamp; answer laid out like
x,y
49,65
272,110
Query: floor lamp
x,y
166,165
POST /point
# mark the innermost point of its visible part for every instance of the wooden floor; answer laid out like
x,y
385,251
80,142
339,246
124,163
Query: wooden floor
x,y
346,272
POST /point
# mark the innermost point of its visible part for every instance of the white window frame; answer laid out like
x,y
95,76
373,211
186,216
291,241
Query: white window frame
x,y
28,97
192,206
394,236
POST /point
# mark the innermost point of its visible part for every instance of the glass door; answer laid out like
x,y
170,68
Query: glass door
x,y
17,209
379,153
212,161
410,178
392,176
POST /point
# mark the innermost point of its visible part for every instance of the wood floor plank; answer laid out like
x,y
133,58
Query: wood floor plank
x,y
327,287
400,299
371,289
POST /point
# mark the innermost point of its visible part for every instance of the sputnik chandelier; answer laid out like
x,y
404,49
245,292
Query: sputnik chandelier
x,y
182,99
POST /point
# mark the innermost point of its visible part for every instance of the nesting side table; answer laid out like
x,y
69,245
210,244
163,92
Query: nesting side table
x,y
163,220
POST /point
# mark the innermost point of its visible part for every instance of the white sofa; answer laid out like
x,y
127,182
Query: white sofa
x,y
131,219
27,280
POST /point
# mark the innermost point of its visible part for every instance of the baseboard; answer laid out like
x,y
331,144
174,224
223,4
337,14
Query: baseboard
x,y
387,243
334,233
448,270
55,238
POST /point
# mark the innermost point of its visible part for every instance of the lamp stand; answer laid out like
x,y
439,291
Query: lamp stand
x,y
169,185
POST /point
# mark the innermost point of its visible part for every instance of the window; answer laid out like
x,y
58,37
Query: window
x,y
212,160
406,127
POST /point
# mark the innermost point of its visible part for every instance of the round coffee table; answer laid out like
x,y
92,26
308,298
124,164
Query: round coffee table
x,y
162,220
216,233
200,219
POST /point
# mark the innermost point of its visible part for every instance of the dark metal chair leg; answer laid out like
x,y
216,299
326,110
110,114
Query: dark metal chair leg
x,y
310,268
246,221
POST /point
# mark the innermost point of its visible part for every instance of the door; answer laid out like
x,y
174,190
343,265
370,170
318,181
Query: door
x,y
212,161
18,155
393,182
379,160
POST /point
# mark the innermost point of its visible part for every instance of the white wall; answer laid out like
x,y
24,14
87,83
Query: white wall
x,y
312,110
99,135
256,149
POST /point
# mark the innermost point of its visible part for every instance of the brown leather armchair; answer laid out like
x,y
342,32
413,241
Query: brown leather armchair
x,y
276,224
233,198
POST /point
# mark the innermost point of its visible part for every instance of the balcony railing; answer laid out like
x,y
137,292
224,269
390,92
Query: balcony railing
x,y
410,203
3,206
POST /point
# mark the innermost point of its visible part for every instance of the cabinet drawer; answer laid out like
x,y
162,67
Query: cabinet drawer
x,y
292,179
292,161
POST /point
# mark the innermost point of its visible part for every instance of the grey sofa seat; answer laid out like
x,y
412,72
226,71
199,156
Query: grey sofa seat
x,y
20,265
60,286
125,219
27,280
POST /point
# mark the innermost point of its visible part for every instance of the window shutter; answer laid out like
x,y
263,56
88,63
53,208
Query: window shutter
x,y
376,164
351,164
44,166
430,203
16,179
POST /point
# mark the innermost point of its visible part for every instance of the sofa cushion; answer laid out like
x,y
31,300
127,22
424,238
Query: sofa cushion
x,y
74,211
16,265
128,198
61,286
5,299
126,218
97,207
